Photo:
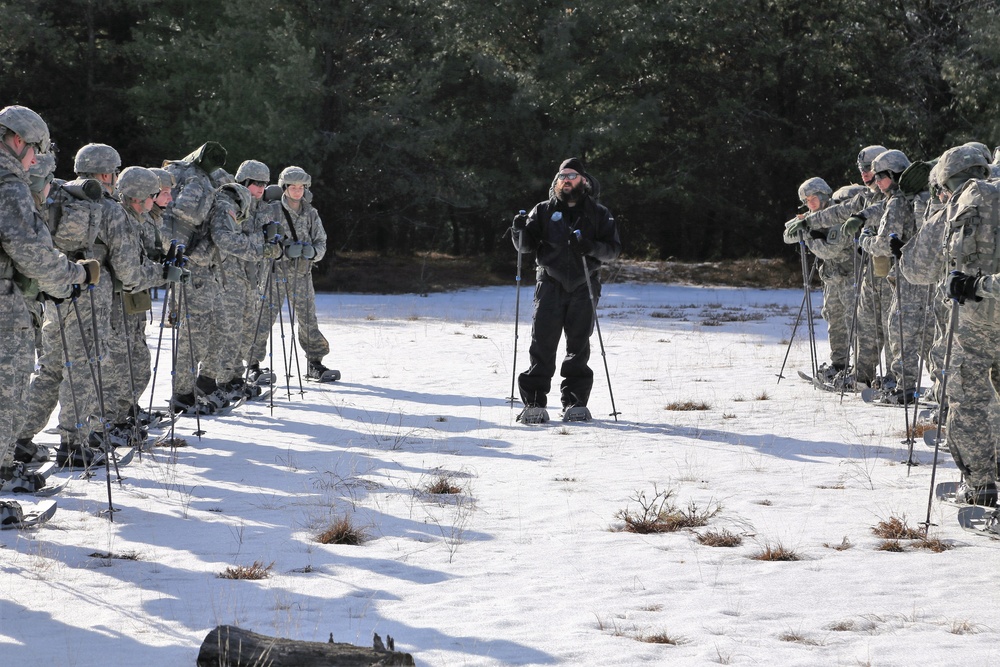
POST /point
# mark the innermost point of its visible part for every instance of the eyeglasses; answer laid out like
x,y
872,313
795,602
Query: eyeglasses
x,y
567,177
883,174
865,166
262,184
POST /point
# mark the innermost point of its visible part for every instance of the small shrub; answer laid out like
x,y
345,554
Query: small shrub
x,y
650,517
442,485
249,572
692,517
776,552
343,531
720,538
892,546
687,406
896,528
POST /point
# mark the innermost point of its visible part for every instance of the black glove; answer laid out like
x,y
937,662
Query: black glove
x,y
962,286
579,244
896,244
520,221
74,293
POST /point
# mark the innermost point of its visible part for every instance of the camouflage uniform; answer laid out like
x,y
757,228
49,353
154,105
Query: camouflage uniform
x,y
26,251
257,323
907,304
292,279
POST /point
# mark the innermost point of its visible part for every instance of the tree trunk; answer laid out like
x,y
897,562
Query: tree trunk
x,y
229,646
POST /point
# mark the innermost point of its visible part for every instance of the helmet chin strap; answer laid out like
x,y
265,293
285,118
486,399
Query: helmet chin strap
x,y
10,149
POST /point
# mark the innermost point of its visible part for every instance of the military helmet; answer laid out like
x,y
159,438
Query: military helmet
x,y
892,161
167,180
868,154
847,192
253,170
26,124
294,176
960,164
240,195
96,159
138,183
815,186
42,171
981,147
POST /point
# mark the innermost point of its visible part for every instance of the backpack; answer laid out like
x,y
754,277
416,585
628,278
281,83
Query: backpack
x,y
73,215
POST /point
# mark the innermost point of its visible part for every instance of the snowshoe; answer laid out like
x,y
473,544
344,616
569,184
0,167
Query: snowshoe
x,y
533,414
317,372
78,457
930,437
27,451
261,376
18,478
978,519
18,515
576,413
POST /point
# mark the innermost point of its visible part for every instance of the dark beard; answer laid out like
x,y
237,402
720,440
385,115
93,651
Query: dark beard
x,y
575,194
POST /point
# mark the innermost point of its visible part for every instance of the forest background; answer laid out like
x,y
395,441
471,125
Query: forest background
x,y
426,124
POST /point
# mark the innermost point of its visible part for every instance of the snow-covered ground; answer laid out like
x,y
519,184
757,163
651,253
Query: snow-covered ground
x,y
527,565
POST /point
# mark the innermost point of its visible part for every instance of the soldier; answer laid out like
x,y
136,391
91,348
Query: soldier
x,y
569,232
836,269
304,234
969,236
129,355
906,312
26,254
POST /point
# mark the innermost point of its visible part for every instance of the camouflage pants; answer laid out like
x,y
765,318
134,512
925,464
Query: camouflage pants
x,y
873,310
972,398
197,353
838,309
17,356
230,319
297,287
906,314
126,347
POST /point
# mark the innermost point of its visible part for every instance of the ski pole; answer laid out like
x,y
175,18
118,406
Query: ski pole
x,y
807,289
795,327
281,327
902,365
69,366
923,348
131,375
297,254
517,314
952,325
853,337
171,254
597,325
270,236
185,314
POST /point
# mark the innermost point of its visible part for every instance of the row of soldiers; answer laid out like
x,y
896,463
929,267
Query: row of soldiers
x,y
910,264
230,249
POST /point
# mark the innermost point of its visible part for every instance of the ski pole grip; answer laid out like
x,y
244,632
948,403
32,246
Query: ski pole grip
x,y
293,251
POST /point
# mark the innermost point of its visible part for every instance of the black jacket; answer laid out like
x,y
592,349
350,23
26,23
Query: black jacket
x,y
549,239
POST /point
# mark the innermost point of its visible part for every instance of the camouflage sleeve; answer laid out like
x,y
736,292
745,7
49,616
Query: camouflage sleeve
x,y
833,215
924,261
834,246
228,236
318,234
26,240
897,218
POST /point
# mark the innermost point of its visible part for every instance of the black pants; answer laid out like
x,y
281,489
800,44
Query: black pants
x,y
558,311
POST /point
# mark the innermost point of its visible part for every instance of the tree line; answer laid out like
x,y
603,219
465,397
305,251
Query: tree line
x,y
426,124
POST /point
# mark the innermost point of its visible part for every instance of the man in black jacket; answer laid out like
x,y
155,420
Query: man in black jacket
x,y
567,232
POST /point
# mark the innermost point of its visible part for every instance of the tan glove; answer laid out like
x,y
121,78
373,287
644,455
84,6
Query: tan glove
x,y
93,269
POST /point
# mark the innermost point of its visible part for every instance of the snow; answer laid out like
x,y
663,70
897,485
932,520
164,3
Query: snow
x,y
527,565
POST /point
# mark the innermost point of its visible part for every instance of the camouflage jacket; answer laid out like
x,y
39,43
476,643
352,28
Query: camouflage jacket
x,y
124,256
303,227
897,218
867,203
923,260
149,245
26,248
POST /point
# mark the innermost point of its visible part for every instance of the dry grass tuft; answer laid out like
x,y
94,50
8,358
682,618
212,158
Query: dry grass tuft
x,y
657,514
798,638
660,638
687,406
896,528
933,544
442,485
107,555
249,572
343,531
776,552
844,545
892,546
720,538
964,628
843,626
167,441
762,396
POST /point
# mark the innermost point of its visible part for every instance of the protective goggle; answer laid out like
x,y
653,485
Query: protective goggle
x,y
567,177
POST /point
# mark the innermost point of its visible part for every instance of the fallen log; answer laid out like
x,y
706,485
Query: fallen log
x,y
230,646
